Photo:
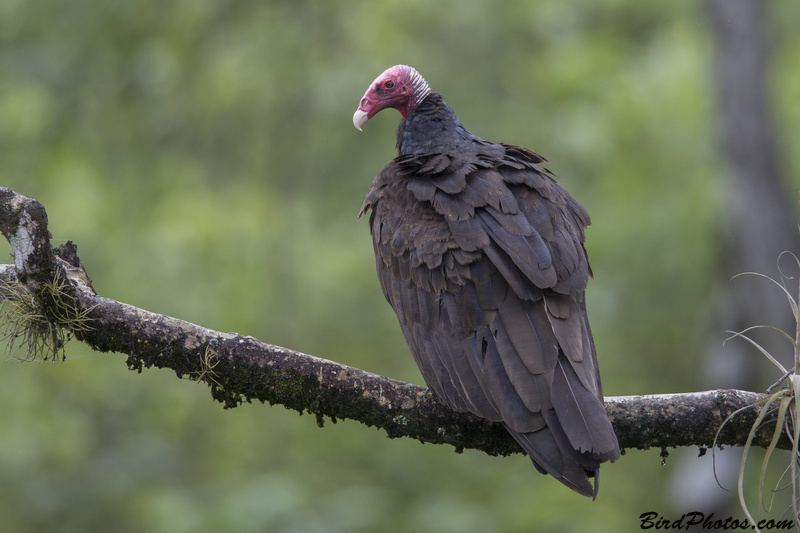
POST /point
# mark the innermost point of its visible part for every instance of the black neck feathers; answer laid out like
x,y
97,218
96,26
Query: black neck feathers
x,y
432,127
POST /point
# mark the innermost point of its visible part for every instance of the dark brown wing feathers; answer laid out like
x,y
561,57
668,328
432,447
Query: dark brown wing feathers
x,y
481,256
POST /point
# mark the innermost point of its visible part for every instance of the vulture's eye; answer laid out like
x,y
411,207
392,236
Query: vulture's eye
x,y
389,84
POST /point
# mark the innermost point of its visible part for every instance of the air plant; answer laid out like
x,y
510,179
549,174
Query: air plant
x,y
40,325
782,402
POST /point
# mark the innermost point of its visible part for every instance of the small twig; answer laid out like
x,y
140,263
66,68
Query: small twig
x,y
775,385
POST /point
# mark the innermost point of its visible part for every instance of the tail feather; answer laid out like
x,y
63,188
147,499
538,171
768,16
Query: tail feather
x,y
566,465
578,436
581,415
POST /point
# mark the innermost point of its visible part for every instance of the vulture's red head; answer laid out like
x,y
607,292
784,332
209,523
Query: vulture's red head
x,y
400,87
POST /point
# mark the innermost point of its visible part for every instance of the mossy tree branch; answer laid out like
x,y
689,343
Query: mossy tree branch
x,y
239,368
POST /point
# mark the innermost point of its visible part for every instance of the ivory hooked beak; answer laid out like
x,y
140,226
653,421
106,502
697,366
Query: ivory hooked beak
x,y
359,118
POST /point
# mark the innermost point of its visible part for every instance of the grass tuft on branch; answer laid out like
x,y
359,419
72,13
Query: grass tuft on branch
x,y
40,325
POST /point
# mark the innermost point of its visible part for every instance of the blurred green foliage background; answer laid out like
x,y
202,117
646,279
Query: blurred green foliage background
x,y
201,155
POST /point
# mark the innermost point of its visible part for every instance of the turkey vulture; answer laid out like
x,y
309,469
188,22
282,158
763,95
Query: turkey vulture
x,y
480,253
